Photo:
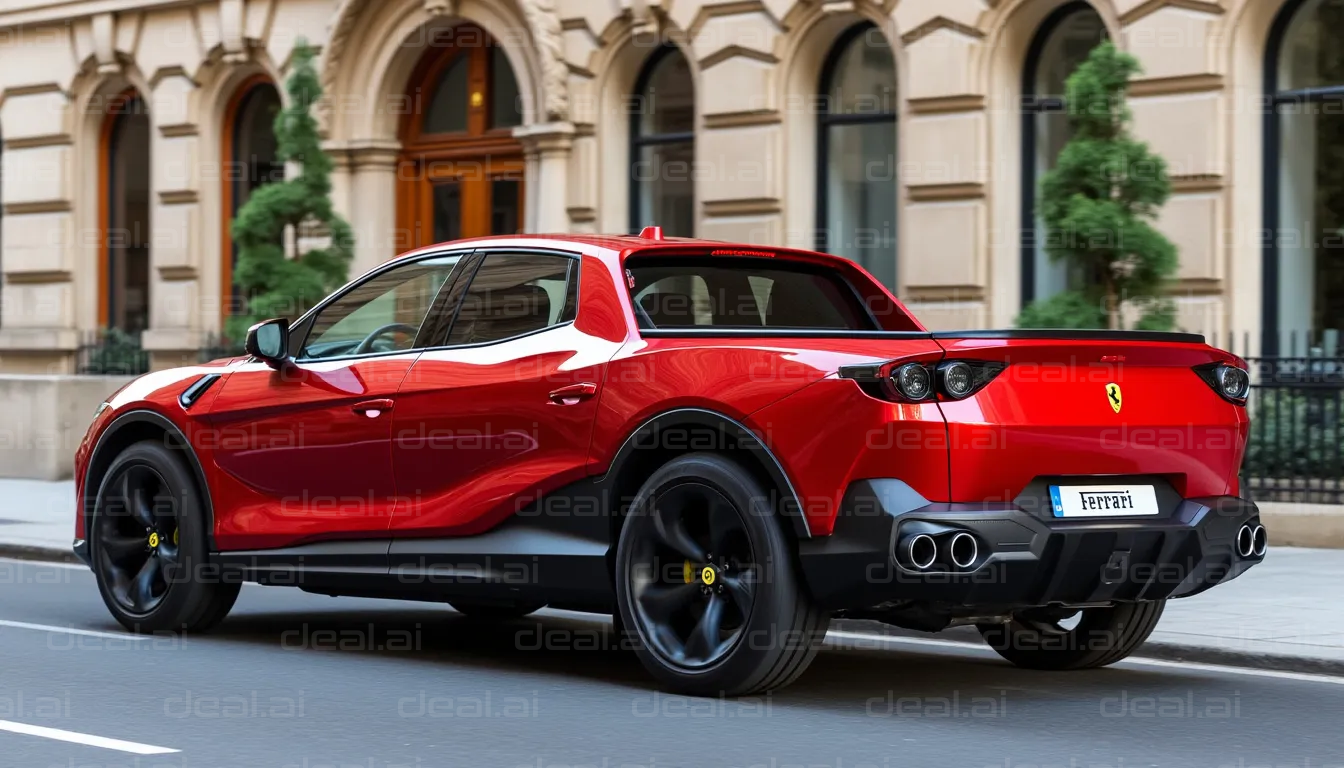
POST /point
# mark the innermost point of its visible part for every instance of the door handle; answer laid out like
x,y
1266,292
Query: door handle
x,y
573,394
372,408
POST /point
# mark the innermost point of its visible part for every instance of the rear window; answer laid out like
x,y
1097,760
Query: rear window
x,y
688,292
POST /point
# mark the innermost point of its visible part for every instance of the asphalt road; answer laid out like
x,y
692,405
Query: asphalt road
x,y
292,680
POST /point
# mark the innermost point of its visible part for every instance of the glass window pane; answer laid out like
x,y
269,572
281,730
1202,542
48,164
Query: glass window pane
x,y
666,187
504,194
447,111
864,79
1069,44
510,295
1312,45
1311,216
667,102
447,211
743,293
506,107
861,196
382,314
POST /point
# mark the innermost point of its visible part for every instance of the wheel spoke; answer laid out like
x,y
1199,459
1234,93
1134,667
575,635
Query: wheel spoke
x,y
662,600
118,547
741,589
704,639
723,524
142,589
140,507
671,530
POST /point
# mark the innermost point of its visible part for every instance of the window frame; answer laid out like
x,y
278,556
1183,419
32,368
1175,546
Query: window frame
x,y
638,139
826,119
473,265
301,328
1271,191
1034,105
644,324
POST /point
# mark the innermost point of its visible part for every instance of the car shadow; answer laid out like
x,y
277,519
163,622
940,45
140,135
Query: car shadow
x,y
897,680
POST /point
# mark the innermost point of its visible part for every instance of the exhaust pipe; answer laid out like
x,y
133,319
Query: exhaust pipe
x,y
920,550
1245,541
1259,541
962,550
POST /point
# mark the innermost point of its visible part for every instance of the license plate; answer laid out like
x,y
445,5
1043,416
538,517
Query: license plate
x,y
1103,500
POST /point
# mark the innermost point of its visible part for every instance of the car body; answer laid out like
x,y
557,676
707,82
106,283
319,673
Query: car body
x,y
483,435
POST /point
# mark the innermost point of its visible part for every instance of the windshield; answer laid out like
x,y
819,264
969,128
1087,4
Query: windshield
x,y
688,292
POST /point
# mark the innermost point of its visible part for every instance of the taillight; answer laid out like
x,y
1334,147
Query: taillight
x,y
919,382
1229,381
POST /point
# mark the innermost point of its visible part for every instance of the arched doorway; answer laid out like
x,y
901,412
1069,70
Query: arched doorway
x,y
123,302
248,151
461,171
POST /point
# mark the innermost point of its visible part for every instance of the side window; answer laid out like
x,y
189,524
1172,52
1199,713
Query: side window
x,y
382,314
516,293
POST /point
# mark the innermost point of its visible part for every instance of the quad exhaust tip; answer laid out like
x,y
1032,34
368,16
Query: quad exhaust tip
x,y
1252,541
921,550
963,550
1259,541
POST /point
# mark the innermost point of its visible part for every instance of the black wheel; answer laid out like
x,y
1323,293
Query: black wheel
x,y
495,611
148,546
1058,639
706,583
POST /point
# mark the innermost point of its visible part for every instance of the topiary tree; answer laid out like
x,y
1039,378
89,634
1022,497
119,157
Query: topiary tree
x,y
1098,205
276,284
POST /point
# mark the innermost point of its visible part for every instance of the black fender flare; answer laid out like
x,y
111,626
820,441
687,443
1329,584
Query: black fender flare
x,y
728,432
175,439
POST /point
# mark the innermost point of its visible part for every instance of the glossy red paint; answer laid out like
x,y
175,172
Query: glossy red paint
x,y
452,441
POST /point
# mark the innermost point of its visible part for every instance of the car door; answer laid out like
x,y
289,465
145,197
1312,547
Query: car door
x,y
304,452
504,410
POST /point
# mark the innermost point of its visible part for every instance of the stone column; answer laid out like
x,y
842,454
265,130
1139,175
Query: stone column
x,y
178,311
38,331
547,146
373,203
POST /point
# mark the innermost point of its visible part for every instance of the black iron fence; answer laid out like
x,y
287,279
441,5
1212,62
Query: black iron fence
x,y
117,353
111,352
1297,421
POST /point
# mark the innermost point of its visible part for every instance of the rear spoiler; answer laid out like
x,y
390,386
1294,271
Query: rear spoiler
x,y
711,332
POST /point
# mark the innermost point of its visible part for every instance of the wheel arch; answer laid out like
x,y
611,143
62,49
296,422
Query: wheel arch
x,y
134,427
673,433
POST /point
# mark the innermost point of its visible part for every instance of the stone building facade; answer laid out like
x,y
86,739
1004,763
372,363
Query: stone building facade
x,y
907,134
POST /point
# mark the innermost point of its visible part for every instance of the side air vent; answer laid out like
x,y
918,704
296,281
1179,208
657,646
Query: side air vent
x,y
193,393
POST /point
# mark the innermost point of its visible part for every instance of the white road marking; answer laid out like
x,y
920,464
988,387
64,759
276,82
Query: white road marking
x,y
73,630
47,564
1131,661
84,738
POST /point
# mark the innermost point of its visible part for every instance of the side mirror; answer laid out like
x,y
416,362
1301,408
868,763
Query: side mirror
x,y
269,342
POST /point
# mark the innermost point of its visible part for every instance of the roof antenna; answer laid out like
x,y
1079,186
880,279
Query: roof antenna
x,y
651,233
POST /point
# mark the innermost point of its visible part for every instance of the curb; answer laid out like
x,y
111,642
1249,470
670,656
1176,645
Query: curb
x,y
1152,649
39,553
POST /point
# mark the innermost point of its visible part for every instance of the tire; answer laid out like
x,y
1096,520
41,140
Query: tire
x,y
678,602
149,497
495,611
1102,636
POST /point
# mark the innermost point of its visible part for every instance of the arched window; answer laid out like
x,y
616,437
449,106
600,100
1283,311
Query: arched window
x,y
461,170
249,162
856,154
1062,43
124,300
662,145
1304,179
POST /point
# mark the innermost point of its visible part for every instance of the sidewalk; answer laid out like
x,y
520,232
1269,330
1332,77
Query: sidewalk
x,y
1286,613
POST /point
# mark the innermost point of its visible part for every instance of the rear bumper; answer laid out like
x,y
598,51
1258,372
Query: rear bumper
x,y
1025,557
